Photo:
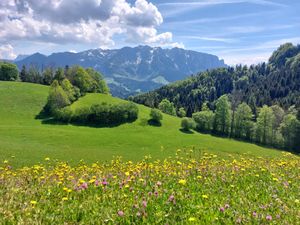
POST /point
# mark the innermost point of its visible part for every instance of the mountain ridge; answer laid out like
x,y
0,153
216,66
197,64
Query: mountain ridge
x,y
130,70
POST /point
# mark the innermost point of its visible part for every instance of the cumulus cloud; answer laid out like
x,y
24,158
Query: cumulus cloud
x,y
7,52
84,21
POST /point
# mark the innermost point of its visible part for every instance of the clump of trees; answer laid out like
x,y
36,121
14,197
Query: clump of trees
x,y
8,72
69,84
99,114
272,126
83,80
204,119
230,116
86,80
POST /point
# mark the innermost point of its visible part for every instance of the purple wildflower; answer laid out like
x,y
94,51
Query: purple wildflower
x,y
268,217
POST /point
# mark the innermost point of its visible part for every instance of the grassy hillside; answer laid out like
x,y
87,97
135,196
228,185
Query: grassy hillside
x,y
25,140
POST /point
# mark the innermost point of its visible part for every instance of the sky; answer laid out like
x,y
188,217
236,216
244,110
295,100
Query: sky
x,y
238,31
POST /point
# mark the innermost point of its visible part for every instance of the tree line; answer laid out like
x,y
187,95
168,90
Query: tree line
x,y
273,126
85,80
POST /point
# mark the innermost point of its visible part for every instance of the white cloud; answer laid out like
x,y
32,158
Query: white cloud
x,y
174,8
81,21
213,39
7,52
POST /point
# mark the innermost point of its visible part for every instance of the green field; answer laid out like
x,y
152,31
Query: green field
x,y
25,140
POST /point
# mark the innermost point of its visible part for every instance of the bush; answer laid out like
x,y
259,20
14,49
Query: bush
x,y
204,120
181,112
156,115
64,115
187,124
167,107
101,114
8,71
81,115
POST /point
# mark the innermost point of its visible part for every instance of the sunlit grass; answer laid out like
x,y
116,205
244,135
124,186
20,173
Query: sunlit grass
x,y
192,187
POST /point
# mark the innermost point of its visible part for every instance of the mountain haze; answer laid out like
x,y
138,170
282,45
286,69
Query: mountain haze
x,y
131,70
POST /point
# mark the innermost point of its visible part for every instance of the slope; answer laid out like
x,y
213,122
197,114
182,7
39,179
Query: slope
x,y
25,140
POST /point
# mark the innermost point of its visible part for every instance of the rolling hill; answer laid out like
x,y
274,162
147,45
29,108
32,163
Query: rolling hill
x,y
25,140
131,70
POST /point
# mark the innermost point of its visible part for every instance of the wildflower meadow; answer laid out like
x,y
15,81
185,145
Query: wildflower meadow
x,y
193,187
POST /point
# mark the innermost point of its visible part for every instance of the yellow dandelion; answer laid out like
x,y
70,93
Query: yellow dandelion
x,y
92,181
183,182
205,196
192,219
65,199
32,202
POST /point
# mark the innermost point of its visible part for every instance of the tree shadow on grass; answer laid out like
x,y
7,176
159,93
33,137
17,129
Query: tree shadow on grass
x,y
154,123
186,131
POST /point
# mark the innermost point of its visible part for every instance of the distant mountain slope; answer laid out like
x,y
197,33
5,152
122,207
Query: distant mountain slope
x,y
132,70
276,82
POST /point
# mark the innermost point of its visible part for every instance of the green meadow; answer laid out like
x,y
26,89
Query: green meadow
x,y
25,140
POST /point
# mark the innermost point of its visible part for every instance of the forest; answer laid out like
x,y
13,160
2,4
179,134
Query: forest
x,y
274,83
259,103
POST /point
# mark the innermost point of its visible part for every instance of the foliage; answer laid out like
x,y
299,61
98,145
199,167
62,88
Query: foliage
x,y
167,107
222,118
47,75
99,84
274,83
84,80
59,75
187,124
181,112
204,120
69,90
289,130
8,72
156,115
101,114
191,188
265,125
57,98
243,124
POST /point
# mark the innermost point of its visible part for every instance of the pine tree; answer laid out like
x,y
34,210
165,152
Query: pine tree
x,y
23,74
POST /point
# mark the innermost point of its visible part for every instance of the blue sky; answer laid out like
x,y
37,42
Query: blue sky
x,y
239,31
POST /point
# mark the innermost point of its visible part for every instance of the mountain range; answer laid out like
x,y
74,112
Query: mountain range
x,y
131,70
